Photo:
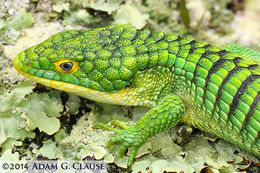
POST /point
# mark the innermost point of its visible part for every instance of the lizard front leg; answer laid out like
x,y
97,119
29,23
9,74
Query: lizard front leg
x,y
165,115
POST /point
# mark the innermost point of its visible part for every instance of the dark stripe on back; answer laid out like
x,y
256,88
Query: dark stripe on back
x,y
226,79
195,70
239,93
202,56
249,114
212,70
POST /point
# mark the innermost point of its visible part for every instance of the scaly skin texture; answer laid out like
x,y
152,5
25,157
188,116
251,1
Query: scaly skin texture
x,y
211,88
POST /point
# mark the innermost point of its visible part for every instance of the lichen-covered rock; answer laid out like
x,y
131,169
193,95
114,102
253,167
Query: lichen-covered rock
x,y
38,122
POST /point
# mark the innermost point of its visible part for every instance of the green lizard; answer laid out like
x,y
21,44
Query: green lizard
x,y
211,88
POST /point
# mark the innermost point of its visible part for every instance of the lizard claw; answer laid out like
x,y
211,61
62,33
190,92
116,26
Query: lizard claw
x,y
106,127
120,124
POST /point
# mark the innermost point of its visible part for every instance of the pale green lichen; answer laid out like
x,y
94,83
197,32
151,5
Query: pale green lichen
x,y
13,126
9,27
41,111
130,14
61,7
107,6
21,114
22,20
49,150
73,103
9,155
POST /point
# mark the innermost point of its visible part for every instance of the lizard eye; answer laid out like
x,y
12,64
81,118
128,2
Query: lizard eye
x,y
66,66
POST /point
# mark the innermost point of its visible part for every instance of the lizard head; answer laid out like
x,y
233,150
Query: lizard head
x,y
98,64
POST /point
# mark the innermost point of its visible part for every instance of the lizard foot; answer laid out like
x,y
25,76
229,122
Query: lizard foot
x,y
127,136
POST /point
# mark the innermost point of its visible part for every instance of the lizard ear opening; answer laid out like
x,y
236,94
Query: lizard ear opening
x,y
66,66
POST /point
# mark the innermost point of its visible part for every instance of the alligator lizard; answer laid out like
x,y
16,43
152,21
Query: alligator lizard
x,y
215,89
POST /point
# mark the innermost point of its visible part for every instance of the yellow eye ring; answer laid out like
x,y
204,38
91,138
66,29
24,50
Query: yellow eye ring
x,y
66,66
